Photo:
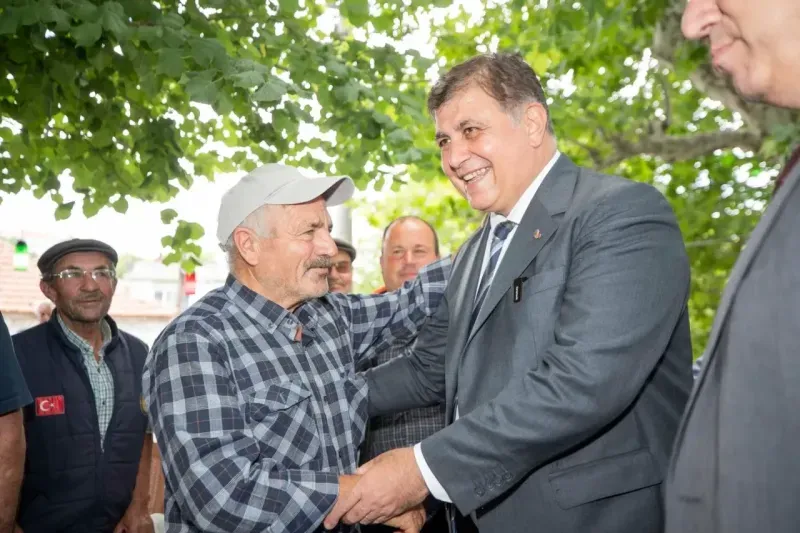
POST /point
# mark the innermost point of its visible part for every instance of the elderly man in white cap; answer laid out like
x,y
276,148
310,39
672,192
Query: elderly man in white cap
x,y
252,391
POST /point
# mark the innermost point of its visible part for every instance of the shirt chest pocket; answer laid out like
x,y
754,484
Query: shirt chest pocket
x,y
282,422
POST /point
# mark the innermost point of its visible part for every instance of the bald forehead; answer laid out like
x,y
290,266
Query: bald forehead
x,y
410,228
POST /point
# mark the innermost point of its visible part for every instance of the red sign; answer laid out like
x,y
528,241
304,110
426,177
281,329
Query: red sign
x,y
189,284
50,405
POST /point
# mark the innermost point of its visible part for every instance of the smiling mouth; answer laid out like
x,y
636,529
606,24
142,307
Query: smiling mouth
x,y
475,175
718,51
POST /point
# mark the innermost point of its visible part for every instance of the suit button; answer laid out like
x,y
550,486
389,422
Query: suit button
x,y
479,491
507,476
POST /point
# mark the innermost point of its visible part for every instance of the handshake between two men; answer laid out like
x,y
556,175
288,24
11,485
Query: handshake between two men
x,y
387,490
557,339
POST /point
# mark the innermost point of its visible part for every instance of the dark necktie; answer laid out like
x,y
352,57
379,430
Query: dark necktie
x,y
501,232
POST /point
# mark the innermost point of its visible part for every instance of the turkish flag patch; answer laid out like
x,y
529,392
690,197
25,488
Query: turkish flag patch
x,y
49,405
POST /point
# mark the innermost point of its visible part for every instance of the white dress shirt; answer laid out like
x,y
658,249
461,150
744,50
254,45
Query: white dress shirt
x,y
515,216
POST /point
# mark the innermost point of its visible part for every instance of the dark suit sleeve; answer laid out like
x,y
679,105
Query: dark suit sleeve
x,y
13,390
627,286
416,381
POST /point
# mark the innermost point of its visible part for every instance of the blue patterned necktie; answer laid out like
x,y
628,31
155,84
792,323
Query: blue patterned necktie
x,y
501,232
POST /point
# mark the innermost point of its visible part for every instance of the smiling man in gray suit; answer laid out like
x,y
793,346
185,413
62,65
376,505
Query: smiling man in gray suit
x,y
562,347
736,465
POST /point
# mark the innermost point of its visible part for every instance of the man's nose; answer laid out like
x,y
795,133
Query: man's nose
x,y
88,282
457,153
326,245
699,17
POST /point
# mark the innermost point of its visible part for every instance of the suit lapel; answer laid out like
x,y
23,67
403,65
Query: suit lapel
x,y
739,270
463,298
535,229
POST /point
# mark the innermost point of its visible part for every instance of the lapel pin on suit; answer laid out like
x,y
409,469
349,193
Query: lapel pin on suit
x,y
537,234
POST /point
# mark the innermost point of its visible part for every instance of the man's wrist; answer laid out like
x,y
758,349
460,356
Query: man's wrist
x,y
432,484
139,504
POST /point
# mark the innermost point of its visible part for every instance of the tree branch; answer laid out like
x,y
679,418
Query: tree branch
x,y
671,148
667,43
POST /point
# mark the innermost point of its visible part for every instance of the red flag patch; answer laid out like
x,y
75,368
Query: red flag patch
x,y
50,405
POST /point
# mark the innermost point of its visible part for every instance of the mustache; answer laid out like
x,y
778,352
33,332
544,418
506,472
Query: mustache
x,y
321,262
91,297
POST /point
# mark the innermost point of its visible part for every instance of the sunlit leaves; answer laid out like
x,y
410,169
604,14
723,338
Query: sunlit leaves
x,y
119,95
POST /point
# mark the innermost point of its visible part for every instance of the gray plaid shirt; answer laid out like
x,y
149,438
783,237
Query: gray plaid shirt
x,y
100,377
255,426
402,429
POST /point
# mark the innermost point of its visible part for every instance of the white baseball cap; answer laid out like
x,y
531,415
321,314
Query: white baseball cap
x,y
276,184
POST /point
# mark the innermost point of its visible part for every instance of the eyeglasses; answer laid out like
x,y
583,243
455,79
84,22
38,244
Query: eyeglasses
x,y
72,274
342,267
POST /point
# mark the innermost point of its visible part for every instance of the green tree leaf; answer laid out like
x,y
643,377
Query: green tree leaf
x,y
87,33
170,61
120,205
248,79
167,216
272,91
9,21
112,15
208,52
58,16
201,88
63,211
357,11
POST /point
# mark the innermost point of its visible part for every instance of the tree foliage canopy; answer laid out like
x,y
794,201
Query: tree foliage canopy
x,y
118,93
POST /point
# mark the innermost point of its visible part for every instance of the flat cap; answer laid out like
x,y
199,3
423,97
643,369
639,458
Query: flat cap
x,y
48,259
275,184
346,247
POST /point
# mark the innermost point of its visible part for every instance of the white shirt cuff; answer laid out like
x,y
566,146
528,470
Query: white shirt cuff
x,y
437,491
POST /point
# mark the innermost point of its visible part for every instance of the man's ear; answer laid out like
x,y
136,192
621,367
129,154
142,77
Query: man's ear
x,y
535,120
48,290
248,245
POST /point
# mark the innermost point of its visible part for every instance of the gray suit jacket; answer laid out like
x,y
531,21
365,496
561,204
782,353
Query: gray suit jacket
x,y
736,463
570,392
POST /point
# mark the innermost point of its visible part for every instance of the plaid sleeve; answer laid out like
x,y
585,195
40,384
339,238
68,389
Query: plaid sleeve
x,y
379,320
222,476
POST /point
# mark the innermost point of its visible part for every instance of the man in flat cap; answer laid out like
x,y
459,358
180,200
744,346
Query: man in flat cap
x,y
340,275
88,452
252,392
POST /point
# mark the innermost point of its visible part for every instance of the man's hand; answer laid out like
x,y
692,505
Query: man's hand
x,y
389,485
409,522
135,520
346,485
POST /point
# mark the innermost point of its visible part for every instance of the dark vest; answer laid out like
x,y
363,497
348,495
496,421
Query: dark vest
x,y
71,485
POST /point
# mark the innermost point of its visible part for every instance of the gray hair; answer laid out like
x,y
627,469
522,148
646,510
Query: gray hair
x,y
505,77
255,221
